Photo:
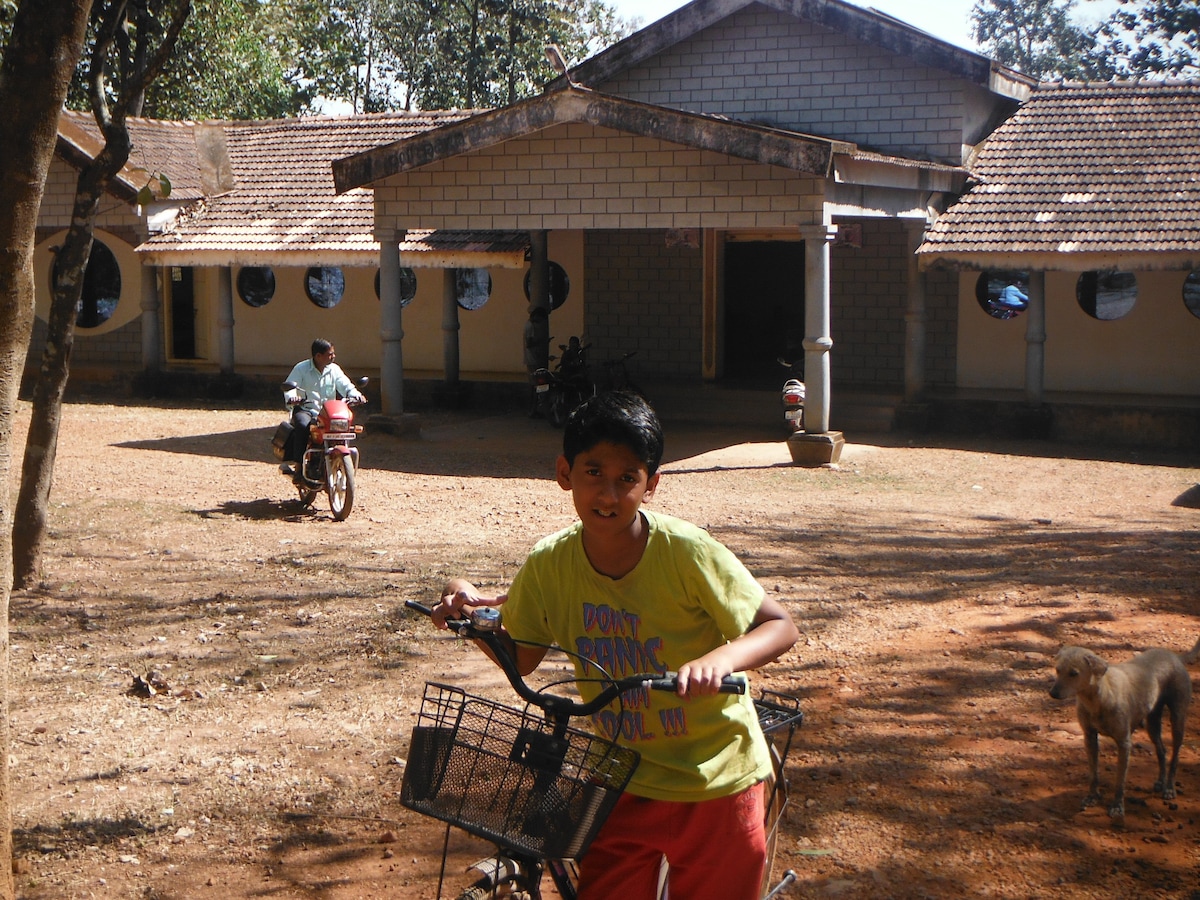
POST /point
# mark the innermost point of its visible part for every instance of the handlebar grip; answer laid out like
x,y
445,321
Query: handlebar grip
x,y
730,684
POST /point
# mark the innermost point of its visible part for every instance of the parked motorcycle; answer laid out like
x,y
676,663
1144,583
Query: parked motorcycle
x,y
792,399
331,459
561,389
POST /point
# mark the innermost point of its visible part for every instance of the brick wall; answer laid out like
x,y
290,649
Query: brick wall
x,y
625,269
764,66
583,177
869,296
941,325
117,350
643,295
58,202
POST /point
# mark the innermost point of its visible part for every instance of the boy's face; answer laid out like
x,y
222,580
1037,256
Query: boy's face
x,y
608,484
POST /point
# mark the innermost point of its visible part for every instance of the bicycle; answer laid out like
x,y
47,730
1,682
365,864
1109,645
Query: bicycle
x,y
535,787
616,375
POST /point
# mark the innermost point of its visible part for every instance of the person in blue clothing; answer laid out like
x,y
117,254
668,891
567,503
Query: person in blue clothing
x,y
1012,298
317,379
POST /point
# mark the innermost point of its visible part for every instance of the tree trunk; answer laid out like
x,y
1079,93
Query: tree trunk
x,y
41,446
43,49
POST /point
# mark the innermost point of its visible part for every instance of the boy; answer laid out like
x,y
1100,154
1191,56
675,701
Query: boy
x,y
634,591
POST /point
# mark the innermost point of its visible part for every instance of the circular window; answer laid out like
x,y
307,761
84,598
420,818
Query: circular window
x,y
408,286
1191,293
1002,294
560,285
473,287
101,287
325,286
256,285
1106,295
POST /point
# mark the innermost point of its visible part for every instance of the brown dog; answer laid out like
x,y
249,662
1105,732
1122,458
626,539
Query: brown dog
x,y
1114,700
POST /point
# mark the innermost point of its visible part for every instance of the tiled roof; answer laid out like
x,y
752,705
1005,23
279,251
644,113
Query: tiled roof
x,y
261,193
282,199
166,148
1084,169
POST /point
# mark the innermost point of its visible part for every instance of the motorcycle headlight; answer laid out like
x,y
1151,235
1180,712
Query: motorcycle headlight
x,y
339,424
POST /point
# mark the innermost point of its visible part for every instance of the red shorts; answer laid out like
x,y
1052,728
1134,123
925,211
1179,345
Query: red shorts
x,y
716,849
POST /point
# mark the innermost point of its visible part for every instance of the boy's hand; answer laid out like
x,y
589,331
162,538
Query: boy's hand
x,y
458,598
703,676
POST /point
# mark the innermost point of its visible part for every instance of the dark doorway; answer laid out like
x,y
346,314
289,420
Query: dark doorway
x,y
764,308
183,314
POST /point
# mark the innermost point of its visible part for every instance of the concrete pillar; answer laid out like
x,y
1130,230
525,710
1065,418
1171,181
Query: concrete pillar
x,y
914,317
1035,340
391,330
151,305
816,445
225,320
450,326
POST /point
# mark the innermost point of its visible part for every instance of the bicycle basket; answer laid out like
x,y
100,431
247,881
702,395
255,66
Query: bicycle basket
x,y
504,774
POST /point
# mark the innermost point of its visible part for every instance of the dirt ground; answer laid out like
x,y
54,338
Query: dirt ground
x,y
932,582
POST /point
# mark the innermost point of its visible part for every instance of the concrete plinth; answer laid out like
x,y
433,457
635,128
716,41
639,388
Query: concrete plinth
x,y
814,450
402,425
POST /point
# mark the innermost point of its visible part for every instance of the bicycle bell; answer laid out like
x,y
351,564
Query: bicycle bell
x,y
486,618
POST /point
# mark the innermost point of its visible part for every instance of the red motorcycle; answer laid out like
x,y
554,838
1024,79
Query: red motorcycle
x,y
792,398
331,458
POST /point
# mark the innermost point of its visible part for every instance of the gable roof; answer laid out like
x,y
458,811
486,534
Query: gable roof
x,y
867,25
261,193
772,146
1084,176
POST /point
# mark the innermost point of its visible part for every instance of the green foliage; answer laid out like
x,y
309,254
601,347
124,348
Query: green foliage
x,y
1036,37
224,66
257,59
1159,37
148,192
1142,38
434,54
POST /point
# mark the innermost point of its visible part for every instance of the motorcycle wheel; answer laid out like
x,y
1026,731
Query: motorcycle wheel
x,y
556,408
340,482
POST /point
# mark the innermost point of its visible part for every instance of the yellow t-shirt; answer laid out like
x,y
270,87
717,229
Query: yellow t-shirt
x,y
687,595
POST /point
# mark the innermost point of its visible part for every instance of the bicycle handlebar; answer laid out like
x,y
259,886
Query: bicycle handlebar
x,y
563,706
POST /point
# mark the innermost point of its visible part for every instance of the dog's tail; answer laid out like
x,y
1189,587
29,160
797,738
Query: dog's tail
x,y
1192,655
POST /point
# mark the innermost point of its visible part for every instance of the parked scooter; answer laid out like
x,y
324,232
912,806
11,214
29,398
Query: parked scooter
x,y
331,459
792,398
561,389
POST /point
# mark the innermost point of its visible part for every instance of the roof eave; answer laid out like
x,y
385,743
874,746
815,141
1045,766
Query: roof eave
x,y
1060,261
349,258
895,172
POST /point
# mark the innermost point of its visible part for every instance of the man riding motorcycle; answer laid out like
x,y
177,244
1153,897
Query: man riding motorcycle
x,y
316,379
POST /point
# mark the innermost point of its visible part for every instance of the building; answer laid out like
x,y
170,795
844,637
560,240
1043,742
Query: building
x,y
1089,199
736,182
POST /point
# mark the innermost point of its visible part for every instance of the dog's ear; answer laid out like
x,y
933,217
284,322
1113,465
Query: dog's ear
x,y
1095,663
